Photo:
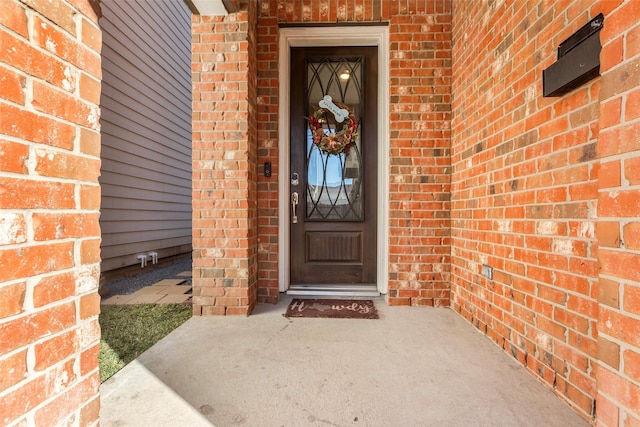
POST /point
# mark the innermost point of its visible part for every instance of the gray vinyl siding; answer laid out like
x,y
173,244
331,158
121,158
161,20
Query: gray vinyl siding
x,y
146,130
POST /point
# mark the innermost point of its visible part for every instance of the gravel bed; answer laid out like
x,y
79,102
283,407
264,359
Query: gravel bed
x,y
128,285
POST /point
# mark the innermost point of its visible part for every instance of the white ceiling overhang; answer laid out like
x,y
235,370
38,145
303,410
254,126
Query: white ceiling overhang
x,y
208,7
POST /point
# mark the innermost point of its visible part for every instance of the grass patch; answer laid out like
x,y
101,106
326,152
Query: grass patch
x,y
129,330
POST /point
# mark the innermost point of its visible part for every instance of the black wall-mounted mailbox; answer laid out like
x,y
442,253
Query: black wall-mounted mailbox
x,y
578,60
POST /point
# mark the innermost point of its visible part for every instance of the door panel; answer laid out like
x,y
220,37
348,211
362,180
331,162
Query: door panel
x,y
330,246
333,240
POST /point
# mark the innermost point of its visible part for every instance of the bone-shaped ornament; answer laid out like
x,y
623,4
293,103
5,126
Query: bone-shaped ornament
x,y
339,113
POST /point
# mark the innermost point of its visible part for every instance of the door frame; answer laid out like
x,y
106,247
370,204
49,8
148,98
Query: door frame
x,y
334,36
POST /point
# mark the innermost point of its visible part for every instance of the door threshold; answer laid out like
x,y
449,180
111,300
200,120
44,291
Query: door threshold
x,y
325,290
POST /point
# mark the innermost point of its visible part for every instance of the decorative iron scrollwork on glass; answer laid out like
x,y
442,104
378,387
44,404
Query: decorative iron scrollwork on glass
x,y
334,179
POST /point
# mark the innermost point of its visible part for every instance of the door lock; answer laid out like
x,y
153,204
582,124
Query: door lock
x,y
294,207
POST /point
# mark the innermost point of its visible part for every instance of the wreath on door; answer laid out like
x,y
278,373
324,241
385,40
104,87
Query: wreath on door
x,y
338,141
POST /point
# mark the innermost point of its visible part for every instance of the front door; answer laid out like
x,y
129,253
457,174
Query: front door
x,y
333,166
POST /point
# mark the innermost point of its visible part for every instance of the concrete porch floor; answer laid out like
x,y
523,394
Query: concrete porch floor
x,y
412,367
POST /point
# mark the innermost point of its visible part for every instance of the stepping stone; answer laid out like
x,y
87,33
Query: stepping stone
x,y
145,299
174,299
117,300
185,274
151,290
176,290
169,282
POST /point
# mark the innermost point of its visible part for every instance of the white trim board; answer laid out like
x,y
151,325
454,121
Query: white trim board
x,y
334,36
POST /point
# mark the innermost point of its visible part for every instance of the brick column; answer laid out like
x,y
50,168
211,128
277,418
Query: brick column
x,y
267,118
224,164
420,140
618,229
50,73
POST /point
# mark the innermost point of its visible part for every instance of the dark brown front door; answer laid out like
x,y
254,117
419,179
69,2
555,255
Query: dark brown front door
x,y
333,238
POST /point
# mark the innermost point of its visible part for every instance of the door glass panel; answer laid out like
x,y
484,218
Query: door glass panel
x,y
334,181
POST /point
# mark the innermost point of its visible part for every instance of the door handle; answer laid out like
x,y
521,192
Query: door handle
x,y
294,207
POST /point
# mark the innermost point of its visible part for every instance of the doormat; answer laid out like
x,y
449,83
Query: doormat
x,y
332,308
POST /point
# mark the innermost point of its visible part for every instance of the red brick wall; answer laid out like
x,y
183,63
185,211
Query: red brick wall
x,y
252,92
49,207
224,164
618,374
419,193
525,197
267,129
420,72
